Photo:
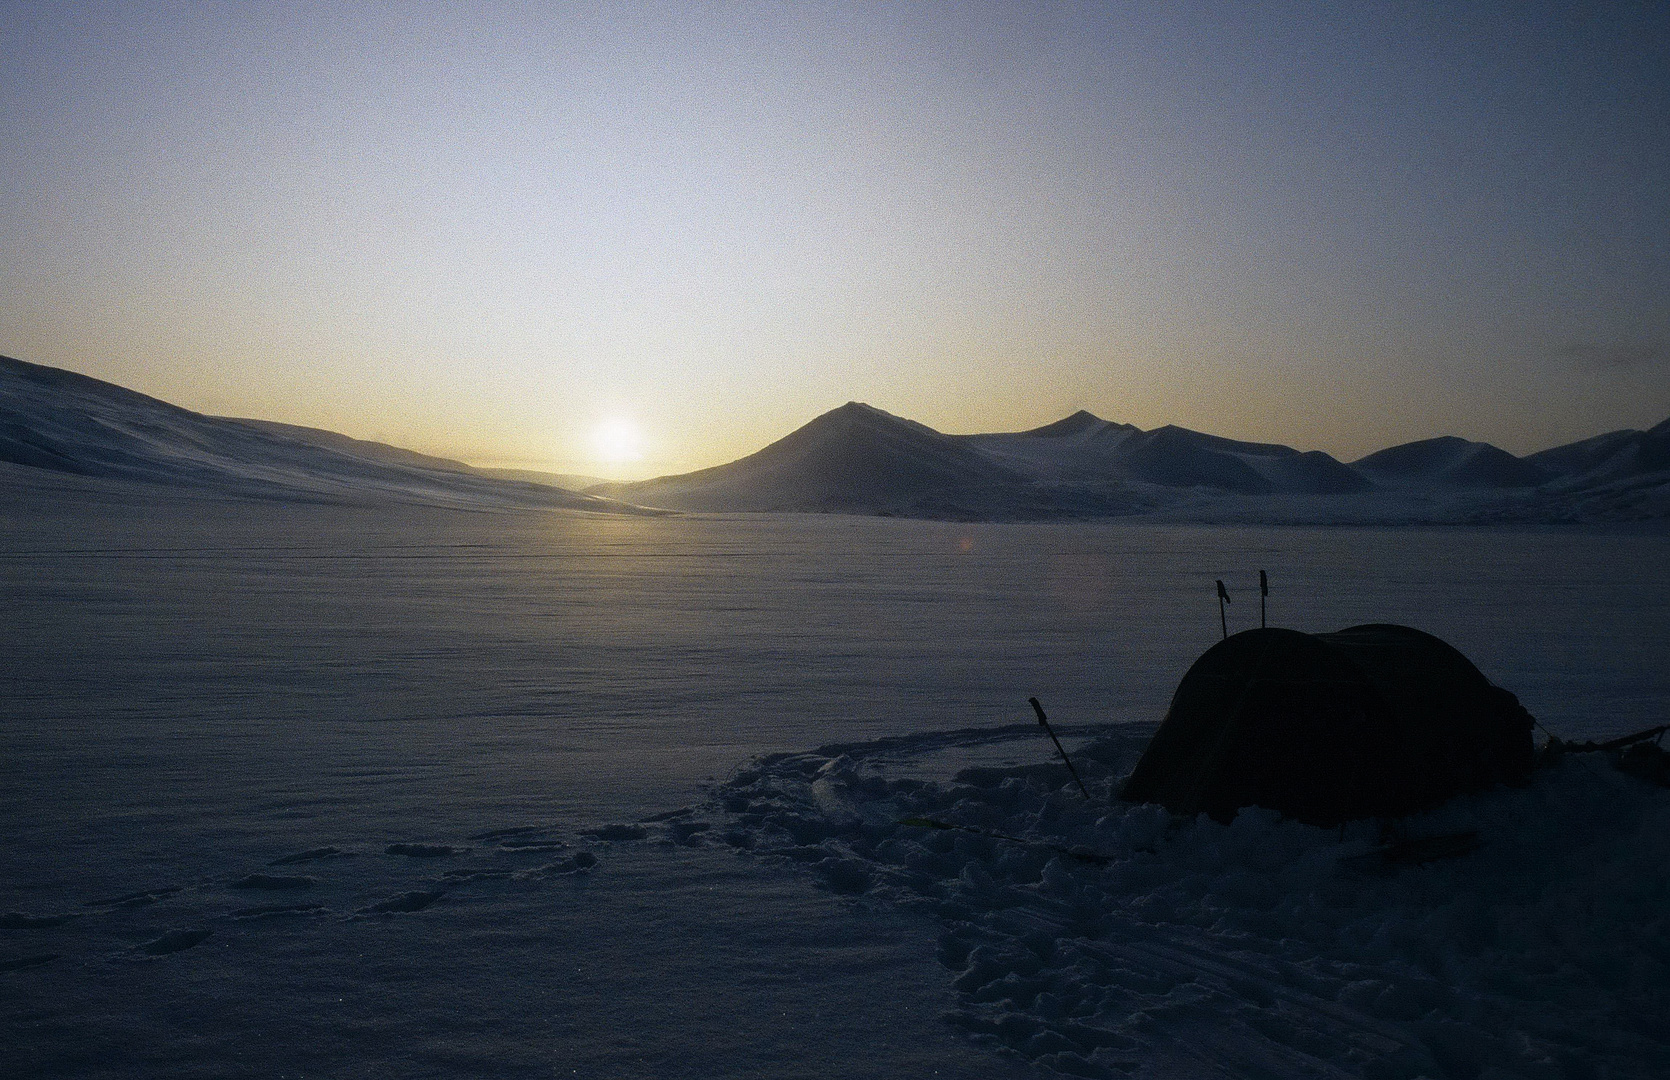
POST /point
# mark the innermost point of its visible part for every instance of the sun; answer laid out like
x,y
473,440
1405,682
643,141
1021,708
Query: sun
x,y
617,440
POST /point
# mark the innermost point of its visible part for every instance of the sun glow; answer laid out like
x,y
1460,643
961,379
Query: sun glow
x,y
617,440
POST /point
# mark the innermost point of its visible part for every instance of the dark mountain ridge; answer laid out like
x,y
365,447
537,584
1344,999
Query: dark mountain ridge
x,y
1451,462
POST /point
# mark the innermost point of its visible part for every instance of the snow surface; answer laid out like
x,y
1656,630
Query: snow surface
x,y
293,789
1096,938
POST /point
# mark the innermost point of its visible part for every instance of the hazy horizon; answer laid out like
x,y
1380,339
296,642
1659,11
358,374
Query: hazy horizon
x,y
627,241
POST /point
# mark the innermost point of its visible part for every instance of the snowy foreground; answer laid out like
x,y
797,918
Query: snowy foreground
x,y
1073,937
312,791
1094,938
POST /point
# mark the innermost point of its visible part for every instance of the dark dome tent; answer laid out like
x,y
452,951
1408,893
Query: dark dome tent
x,y
1372,721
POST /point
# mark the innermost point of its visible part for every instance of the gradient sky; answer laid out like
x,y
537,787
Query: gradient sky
x,y
483,230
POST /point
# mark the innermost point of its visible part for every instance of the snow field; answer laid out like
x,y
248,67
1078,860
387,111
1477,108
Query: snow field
x,y
1107,939
359,747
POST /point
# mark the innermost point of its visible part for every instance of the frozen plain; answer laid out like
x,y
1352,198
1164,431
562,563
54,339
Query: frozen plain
x,y
196,690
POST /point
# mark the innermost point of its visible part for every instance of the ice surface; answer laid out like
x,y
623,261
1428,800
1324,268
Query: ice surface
x,y
198,692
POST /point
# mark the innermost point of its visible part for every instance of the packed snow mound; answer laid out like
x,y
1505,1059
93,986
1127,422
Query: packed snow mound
x,y
1104,939
62,422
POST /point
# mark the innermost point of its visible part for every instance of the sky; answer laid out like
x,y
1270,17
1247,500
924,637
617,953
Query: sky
x,y
630,239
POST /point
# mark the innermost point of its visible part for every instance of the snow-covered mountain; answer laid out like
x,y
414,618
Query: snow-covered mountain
x,y
61,422
1086,448
859,459
1449,462
1615,456
852,459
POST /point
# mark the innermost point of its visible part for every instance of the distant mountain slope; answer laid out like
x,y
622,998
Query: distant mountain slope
x,y
1451,462
1617,455
60,421
571,481
1177,457
362,448
1085,448
855,458
858,459
1079,448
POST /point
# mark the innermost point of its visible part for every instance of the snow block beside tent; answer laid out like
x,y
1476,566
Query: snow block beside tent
x,y
1372,721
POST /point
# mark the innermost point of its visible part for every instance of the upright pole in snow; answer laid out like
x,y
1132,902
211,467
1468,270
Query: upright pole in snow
x,y
1045,724
1263,594
1223,598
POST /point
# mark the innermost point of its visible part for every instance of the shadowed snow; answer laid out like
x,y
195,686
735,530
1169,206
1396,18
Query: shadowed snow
x,y
1097,938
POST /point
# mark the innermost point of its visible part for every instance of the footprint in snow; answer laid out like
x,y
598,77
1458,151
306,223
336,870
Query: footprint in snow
x,y
273,883
522,838
669,815
17,920
424,851
579,862
172,942
23,962
279,911
616,833
310,855
688,832
403,904
135,899
500,834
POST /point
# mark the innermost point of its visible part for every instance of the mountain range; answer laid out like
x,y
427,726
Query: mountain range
x,y
58,422
859,459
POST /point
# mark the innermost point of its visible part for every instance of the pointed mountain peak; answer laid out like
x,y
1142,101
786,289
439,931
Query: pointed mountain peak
x,y
856,415
1080,421
854,410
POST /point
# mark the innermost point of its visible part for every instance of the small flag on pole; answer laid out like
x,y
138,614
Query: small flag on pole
x,y
1223,598
1263,594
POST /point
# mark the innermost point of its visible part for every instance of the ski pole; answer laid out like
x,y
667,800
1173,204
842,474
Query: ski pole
x,y
1044,723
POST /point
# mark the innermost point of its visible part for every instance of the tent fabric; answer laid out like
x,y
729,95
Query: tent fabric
x,y
1372,721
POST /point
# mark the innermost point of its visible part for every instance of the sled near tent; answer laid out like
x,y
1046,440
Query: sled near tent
x,y
1372,721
